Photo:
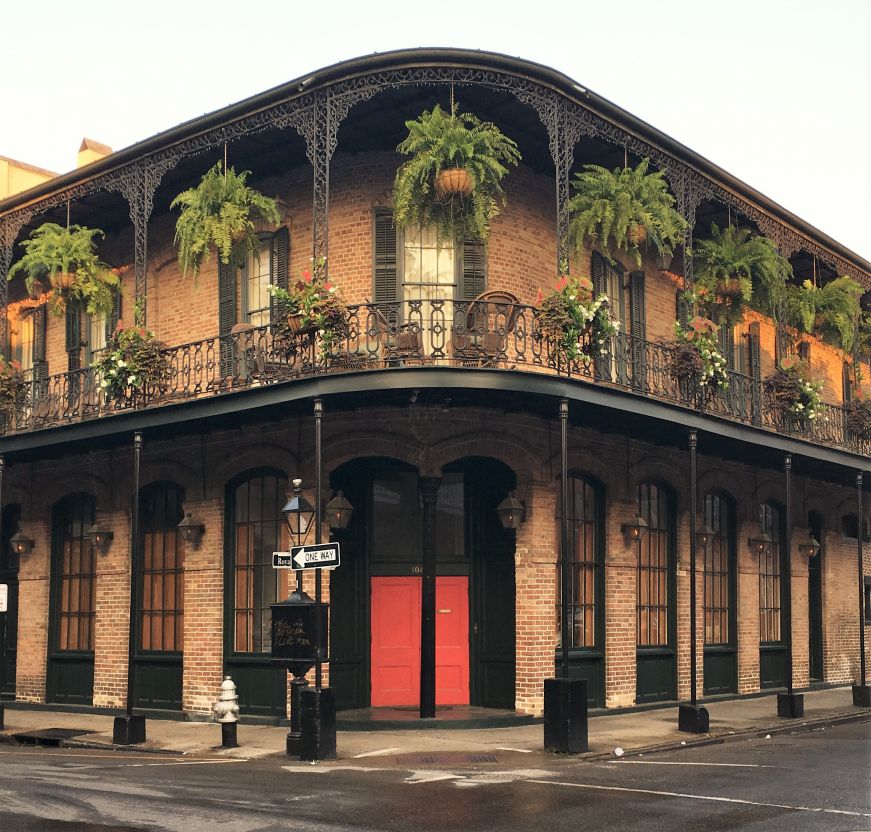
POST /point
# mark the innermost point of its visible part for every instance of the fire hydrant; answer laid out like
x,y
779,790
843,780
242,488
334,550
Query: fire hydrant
x,y
227,713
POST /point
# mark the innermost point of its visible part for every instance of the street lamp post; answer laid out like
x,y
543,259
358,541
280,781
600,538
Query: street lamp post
x,y
789,704
862,691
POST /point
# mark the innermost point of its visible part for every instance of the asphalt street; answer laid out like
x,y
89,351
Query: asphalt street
x,y
818,780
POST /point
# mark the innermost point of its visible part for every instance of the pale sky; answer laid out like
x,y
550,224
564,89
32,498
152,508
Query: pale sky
x,y
777,92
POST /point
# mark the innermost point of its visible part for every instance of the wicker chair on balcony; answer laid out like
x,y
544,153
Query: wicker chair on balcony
x,y
401,344
482,339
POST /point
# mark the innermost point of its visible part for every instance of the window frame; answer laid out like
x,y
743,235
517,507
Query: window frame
x,y
669,569
727,533
265,239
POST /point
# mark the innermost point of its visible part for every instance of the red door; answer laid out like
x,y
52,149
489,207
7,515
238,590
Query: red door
x,y
396,641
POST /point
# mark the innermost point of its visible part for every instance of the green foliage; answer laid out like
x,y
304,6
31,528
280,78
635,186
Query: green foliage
x,y
609,206
12,386
696,356
793,391
54,249
132,361
858,420
831,311
220,212
751,259
438,140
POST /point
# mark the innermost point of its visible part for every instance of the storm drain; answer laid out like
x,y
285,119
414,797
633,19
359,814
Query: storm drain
x,y
447,758
50,737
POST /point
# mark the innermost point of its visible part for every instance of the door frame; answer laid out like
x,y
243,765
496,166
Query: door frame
x,y
9,619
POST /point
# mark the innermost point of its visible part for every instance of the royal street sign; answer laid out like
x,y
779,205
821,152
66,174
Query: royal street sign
x,y
312,556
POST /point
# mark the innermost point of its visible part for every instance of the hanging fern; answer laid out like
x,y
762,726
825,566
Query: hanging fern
x,y
438,140
53,250
220,212
610,208
751,259
831,311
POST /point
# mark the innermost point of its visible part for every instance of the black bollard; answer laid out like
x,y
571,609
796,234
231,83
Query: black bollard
x,y
565,716
318,725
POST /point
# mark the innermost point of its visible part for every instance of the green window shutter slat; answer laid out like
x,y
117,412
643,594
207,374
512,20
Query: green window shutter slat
x,y
726,338
40,324
473,279
280,257
73,338
597,272
847,382
114,315
386,274
639,314
753,339
226,297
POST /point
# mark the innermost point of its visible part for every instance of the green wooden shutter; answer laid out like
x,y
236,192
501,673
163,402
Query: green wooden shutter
x,y
726,338
114,315
226,313
638,330
73,338
40,365
597,272
755,353
847,382
473,274
279,263
385,287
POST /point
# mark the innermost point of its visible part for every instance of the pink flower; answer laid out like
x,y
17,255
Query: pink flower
x,y
307,276
585,283
561,284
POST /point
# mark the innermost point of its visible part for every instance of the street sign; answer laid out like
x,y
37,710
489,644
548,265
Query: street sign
x,y
311,556
4,597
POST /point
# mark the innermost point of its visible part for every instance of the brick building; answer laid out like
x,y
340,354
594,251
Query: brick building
x,y
424,438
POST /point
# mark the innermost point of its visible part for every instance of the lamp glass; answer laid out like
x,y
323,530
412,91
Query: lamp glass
x,y
511,512
339,511
298,513
21,545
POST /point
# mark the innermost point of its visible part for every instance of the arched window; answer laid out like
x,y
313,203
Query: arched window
x,y
654,505
770,576
257,530
161,569
718,571
585,523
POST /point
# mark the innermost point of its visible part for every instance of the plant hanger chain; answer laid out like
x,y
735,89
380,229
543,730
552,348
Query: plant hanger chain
x,y
68,215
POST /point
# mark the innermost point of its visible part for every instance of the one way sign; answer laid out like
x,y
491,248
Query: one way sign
x,y
316,556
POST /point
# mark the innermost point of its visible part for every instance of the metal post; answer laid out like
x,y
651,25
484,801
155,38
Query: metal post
x,y
429,493
3,629
130,729
861,692
319,636
692,718
565,573
789,704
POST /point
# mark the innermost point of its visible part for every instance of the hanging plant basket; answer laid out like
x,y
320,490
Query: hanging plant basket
x,y
636,234
453,182
729,287
63,281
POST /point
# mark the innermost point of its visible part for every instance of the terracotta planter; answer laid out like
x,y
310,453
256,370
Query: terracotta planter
x,y
453,182
729,287
63,281
37,288
636,234
294,322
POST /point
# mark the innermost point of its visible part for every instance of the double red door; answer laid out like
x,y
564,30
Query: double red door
x,y
395,620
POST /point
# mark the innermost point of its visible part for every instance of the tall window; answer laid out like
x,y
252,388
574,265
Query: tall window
x,y
429,269
769,576
96,337
161,570
21,340
586,540
718,566
653,558
259,530
75,563
257,279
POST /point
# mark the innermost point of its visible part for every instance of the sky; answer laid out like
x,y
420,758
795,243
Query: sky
x,y
776,92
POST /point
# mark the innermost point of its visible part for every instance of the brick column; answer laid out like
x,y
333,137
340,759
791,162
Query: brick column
x,y
748,610
621,575
535,560
204,610
112,613
33,594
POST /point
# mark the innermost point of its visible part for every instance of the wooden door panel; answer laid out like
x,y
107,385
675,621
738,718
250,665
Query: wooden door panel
x,y
395,641
452,641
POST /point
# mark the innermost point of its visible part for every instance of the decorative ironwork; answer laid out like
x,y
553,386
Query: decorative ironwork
x,y
437,333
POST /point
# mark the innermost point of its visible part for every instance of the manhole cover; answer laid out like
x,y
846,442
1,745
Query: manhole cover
x,y
50,736
447,758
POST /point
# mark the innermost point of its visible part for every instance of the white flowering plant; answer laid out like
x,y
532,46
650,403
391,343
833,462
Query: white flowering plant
x,y
576,320
132,361
792,390
695,355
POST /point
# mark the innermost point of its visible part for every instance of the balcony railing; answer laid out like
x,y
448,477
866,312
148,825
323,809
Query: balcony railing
x,y
496,336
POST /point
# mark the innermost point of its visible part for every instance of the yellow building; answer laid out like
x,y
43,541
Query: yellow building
x,y
16,176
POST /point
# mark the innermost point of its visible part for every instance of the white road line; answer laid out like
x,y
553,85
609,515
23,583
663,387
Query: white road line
x,y
185,763
518,750
670,763
377,753
703,797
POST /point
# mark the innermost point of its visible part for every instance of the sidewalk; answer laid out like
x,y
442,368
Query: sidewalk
x,y
638,731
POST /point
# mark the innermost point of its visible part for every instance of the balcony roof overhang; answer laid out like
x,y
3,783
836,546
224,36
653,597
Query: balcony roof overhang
x,y
447,57
601,408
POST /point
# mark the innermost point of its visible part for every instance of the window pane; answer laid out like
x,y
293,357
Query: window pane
x,y
21,340
257,283
395,510
652,578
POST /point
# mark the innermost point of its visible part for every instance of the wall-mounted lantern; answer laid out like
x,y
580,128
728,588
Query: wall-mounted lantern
x,y
339,511
760,545
101,536
21,545
705,536
810,548
191,529
634,531
511,511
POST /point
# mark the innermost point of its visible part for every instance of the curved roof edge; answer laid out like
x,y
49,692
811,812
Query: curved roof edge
x,y
427,56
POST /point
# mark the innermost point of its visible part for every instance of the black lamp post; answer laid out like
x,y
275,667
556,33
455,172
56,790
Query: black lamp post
x,y
789,704
862,691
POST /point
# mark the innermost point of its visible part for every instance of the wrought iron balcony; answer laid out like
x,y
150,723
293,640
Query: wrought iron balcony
x,y
498,336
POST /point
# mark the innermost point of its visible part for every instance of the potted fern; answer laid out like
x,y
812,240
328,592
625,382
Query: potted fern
x,y
624,211
220,212
453,177
831,311
736,268
65,256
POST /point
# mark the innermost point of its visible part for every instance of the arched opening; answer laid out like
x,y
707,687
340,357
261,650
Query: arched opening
x,y
70,678
817,529
9,618
720,596
375,594
160,597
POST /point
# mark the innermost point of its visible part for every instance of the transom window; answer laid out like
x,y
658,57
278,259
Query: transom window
x,y
653,558
769,576
429,266
718,560
258,276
